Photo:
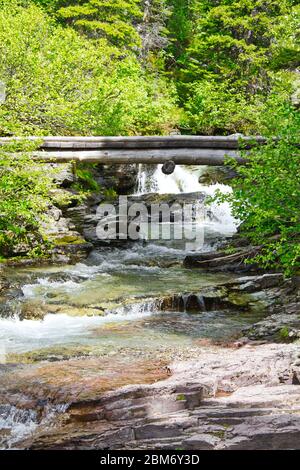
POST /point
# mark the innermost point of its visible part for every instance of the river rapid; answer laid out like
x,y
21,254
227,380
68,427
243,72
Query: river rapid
x,y
73,332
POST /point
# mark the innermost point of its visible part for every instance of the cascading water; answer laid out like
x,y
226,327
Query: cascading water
x,y
106,307
21,423
186,180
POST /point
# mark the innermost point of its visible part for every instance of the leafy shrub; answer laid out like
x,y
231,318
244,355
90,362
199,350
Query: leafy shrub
x,y
24,196
266,196
216,109
86,179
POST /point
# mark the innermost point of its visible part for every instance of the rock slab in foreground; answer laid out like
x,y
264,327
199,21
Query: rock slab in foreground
x,y
247,398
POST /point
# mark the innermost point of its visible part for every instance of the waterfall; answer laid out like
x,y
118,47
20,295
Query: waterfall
x,y
155,181
186,180
146,180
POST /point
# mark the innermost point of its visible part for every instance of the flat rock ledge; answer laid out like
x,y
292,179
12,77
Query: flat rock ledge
x,y
246,398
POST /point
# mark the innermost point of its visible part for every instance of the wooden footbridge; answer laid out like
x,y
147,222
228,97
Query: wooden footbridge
x,y
180,149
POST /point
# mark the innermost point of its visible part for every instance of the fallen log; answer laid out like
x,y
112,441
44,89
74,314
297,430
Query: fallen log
x,y
220,260
180,156
53,143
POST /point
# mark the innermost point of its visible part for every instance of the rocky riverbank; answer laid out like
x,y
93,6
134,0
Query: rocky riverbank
x,y
134,348
242,393
247,398
75,198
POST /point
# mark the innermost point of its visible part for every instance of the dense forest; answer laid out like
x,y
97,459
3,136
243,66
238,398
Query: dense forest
x,y
131,67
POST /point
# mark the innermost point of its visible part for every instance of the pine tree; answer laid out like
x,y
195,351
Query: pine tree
x,y
113,20
225,56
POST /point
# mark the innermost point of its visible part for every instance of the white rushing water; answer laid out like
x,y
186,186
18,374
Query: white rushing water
x,y
21,423
28,335
103,270
140,272
182,180
185,179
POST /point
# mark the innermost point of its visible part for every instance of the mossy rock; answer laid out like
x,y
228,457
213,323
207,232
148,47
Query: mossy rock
x,y
239,299
53,354
68,240
181,397
74,311
32,310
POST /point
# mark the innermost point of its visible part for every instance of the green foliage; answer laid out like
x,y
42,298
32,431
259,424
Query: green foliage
x,y
284,333
86,179
110,194
180,27
266,196
61,83
24,196
109,19
228,55
220,108
123,23
71,67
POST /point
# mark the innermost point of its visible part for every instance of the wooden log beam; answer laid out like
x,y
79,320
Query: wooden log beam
x,y
180,156
138,142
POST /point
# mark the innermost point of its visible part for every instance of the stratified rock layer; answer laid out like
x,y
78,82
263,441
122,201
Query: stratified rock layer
x,y
247,398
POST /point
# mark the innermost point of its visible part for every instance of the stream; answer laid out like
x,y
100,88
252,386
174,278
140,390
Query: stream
x,y
70,333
